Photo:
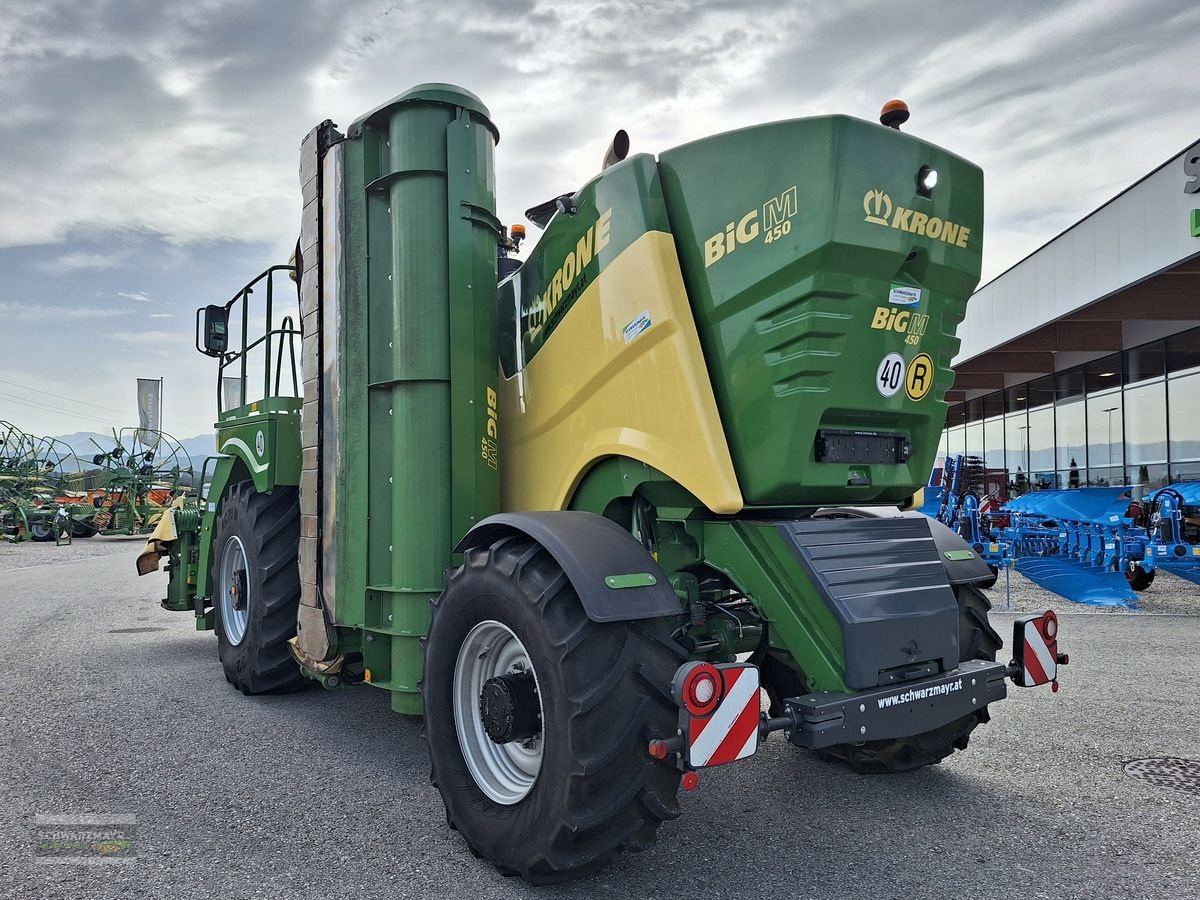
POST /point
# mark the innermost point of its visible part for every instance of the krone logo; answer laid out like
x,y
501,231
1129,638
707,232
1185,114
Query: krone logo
x,y
880,210
878,206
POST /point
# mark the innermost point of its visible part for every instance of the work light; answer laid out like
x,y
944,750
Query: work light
x,y
926,180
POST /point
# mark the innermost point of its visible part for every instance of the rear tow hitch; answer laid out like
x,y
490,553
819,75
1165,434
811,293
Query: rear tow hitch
x,y
721,719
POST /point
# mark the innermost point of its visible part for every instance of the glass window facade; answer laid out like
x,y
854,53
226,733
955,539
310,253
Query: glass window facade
x,y
1129,418
1070,439
1146,423
1106,442
1183,414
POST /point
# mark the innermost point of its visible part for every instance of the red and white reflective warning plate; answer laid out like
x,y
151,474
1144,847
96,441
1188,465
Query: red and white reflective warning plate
x,y
1035,640
720,712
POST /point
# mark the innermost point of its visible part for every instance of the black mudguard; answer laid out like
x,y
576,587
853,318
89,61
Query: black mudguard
x,y
961,567
589,548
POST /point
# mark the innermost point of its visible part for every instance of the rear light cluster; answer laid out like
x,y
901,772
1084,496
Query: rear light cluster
x,y
701,689
1050,625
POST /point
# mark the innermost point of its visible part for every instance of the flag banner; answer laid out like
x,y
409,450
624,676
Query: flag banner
x,y
149,400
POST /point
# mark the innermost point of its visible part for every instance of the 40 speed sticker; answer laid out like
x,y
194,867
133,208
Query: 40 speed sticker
x,y
890,375
916,376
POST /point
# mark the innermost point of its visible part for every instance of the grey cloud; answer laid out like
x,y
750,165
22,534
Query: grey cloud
x,y
155,144
24,312
69,263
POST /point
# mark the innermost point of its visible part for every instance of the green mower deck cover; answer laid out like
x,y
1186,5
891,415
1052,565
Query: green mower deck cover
x,y
419,354
827,291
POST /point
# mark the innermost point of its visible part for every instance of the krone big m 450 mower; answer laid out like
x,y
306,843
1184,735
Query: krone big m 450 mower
x,y
578,520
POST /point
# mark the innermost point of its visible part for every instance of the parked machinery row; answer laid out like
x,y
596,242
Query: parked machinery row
x,y
1093,545
49,493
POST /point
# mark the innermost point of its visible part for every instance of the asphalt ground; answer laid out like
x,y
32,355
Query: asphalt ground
x,y
112,706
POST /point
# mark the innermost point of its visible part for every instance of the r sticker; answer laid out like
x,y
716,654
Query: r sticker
x,y
890,375
637,326
904,296
919,378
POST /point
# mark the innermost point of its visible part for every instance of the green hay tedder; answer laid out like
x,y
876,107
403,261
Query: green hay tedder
x,y
48,493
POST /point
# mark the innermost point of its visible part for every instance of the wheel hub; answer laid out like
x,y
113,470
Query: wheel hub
x,y
233,590
498,712
237,590
509,708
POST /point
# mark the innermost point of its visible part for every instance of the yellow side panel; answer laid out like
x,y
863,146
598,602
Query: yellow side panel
x,y
590,393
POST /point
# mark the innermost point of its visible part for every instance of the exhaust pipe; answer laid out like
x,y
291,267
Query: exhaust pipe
x,y
617,150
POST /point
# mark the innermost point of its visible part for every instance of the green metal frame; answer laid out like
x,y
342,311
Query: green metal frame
x,y
128,477
687,539
34,474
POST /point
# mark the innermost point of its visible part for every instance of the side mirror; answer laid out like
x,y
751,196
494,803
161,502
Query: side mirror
x,y
212,338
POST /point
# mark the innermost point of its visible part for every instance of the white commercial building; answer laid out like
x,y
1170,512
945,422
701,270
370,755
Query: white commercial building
x,y
1081,364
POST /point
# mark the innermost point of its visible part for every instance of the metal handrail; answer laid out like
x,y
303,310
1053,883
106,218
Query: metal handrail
x,y
286,333
288,327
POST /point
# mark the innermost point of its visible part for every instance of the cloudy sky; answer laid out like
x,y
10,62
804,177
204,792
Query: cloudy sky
x,y
148,150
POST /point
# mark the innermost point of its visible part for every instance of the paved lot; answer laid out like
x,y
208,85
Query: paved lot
x,y
110,705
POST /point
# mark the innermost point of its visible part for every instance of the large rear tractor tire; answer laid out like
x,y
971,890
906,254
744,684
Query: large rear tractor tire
x,y
538,719
256,588
976,640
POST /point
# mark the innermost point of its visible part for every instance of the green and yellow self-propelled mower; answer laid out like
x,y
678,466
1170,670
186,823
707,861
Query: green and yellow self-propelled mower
x,y
583,521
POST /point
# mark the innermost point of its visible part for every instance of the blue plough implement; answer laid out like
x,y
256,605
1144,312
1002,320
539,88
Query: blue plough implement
x,y
1175,529
1091,545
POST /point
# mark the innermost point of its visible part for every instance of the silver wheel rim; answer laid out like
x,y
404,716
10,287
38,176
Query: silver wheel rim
x,y
505,772
233,619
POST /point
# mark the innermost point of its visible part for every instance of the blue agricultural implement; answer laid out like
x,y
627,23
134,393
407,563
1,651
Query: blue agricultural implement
x,y
1174,525
1094,545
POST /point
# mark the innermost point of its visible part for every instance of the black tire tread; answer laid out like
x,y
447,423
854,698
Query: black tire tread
x,y
82,529
990,582
269,526
41,531
1139,578
615,796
